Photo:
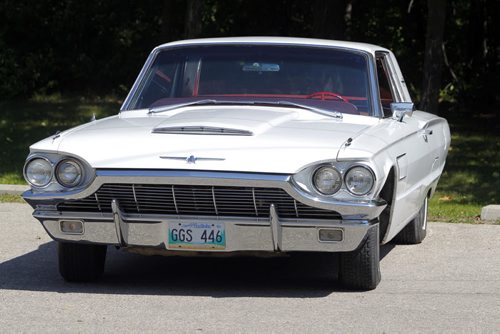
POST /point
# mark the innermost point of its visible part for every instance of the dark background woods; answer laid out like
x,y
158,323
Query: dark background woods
x,y
448,49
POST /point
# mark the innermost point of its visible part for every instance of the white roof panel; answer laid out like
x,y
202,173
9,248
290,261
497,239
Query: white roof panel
x,y
370,48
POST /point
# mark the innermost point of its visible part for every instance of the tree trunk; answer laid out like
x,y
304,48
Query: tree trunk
x,y
329,18
436,14
192,23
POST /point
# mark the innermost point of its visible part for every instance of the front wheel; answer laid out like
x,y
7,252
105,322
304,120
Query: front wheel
x,y
81,262
360,269
416,230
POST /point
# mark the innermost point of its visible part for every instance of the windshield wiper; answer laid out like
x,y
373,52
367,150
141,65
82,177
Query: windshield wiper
x,y
180,105
332,113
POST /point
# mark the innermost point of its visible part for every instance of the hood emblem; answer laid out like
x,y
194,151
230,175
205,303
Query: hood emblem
x,y
192,159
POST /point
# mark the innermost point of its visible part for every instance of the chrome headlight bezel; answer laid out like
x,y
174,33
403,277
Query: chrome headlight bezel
x,y
27,178
334,171
80,178
370,173
55,159
303,180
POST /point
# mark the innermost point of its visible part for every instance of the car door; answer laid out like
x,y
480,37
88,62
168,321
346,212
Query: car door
x,y
413,146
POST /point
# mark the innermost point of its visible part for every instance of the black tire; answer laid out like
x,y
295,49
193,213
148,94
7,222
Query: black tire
x,y
360,269
416,230
81,262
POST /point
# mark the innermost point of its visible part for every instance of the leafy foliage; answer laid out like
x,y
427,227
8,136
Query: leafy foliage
x,y
97,48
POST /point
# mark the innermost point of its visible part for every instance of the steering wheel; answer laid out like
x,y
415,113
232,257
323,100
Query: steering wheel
x,y
327,96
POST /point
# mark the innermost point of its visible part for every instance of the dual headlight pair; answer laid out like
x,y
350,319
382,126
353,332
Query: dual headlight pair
x,y
358,180
39,172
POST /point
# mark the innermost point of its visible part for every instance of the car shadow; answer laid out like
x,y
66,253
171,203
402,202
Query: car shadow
x,y
297,276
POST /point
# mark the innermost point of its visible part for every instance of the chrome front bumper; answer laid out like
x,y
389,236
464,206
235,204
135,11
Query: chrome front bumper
x,y
242,234
271,233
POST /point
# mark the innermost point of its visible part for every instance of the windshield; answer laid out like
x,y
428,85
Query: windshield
x,y
329,79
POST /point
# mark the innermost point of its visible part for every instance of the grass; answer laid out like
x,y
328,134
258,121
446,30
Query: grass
x,y
6,198
23,123
470,181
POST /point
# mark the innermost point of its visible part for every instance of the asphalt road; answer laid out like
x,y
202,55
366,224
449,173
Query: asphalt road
x,y
449,283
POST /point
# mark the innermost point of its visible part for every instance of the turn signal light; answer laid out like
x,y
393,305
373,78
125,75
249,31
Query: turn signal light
x,y
328,234
71,226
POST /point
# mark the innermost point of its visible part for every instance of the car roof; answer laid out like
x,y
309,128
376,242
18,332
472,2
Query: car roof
x,y
370,48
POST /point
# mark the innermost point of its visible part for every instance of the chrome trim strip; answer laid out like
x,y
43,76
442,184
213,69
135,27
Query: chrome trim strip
x,y
191,159
172,177
135,198
296,210
213,199
275,228
98,203
175,201
254,202
201,130
117,219
138,80
151,219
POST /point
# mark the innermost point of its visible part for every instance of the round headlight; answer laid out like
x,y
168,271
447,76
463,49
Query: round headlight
x,y
38,172
69,173
359,180
327,180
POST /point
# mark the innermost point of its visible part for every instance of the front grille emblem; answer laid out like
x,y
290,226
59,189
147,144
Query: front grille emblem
x,y
192,159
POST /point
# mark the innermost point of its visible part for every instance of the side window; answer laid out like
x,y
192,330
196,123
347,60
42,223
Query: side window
x,y
384,86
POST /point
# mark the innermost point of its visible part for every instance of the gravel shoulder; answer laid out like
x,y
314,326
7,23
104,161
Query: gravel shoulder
x,y
449,283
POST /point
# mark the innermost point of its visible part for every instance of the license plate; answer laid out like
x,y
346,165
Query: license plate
x,y
197,236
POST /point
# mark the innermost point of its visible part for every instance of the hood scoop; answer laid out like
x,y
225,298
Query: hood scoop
x,y
202,130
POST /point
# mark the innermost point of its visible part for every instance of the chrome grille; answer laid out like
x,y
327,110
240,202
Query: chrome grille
x,y
196,200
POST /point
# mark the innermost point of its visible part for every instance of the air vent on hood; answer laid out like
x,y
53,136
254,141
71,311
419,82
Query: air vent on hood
x,y
202,130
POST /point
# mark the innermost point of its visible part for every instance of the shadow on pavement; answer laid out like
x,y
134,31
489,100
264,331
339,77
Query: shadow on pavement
x,y
298,276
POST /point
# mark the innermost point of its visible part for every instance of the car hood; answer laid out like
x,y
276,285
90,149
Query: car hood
x,y
225,138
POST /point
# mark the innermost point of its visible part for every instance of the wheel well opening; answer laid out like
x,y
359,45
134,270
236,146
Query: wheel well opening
x,y
387,194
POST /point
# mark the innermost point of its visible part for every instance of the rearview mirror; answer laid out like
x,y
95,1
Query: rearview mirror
x,y
402,109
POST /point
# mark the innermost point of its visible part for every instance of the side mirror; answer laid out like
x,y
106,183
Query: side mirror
x,y
402,109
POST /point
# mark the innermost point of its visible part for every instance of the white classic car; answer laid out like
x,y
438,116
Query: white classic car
x,y
244,146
